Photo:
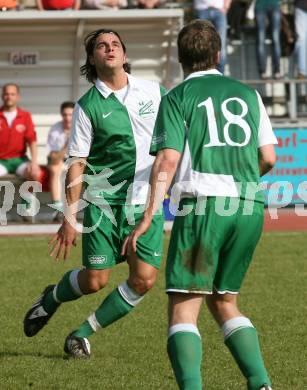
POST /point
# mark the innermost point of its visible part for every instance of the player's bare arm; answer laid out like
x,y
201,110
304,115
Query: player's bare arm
x,y
267,158
60,245
162,174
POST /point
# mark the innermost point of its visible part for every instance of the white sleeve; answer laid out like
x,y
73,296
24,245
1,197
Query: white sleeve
x,y
81,134
266,134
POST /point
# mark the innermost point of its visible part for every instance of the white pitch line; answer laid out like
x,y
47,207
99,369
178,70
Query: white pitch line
x,y
47,228
31,229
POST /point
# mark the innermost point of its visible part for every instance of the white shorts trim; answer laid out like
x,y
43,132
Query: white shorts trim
x,y
227,292
201,291
188,291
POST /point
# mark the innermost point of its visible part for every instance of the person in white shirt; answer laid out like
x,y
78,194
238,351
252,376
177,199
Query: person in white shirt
x,y
57,146
216,12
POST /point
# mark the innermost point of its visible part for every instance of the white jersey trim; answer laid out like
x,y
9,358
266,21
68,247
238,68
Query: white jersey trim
x,y
149,93
203,73
192,183
212,184
81,135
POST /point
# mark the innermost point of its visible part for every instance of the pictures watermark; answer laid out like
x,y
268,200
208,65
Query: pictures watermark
x,y
100,190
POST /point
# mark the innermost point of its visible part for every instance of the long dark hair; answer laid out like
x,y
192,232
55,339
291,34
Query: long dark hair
x,y
88,70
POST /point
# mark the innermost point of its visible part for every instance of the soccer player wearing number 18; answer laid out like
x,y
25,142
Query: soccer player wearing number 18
x,y
215,132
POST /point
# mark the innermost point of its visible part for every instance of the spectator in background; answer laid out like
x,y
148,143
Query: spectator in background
x,y
216,12
8,5
146,4
237,18
57,5
150,4
301,41
57,146
105,4
16,133
268,10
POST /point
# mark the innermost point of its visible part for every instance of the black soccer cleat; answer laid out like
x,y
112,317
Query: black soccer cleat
x,y
36,318
77,347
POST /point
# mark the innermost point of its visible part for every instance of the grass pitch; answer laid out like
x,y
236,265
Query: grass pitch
x,y
131,354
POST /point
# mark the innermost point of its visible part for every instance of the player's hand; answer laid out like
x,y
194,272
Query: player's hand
x,y
129,244
60,245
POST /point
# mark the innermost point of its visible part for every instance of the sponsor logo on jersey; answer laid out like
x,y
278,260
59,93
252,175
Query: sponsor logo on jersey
x,y
20,128
146,108
97,259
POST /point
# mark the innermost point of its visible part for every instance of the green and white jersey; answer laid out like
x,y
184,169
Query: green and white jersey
x,y
218,124
113,130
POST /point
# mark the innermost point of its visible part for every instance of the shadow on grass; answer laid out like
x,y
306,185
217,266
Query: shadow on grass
x,y
5,354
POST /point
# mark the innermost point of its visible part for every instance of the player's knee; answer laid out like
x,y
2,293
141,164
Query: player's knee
x,y
220,303
142,285
94,282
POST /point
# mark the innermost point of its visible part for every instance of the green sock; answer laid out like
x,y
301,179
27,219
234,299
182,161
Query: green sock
x,y
50,304
112,309
85,330
244,346
65,292
185,353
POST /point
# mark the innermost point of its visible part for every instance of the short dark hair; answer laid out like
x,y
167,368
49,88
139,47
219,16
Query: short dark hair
x,y
88,70
11,85
198,45
67,104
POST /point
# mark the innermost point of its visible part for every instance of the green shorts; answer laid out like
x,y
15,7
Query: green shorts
x,y
12,164
212,252
102,246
